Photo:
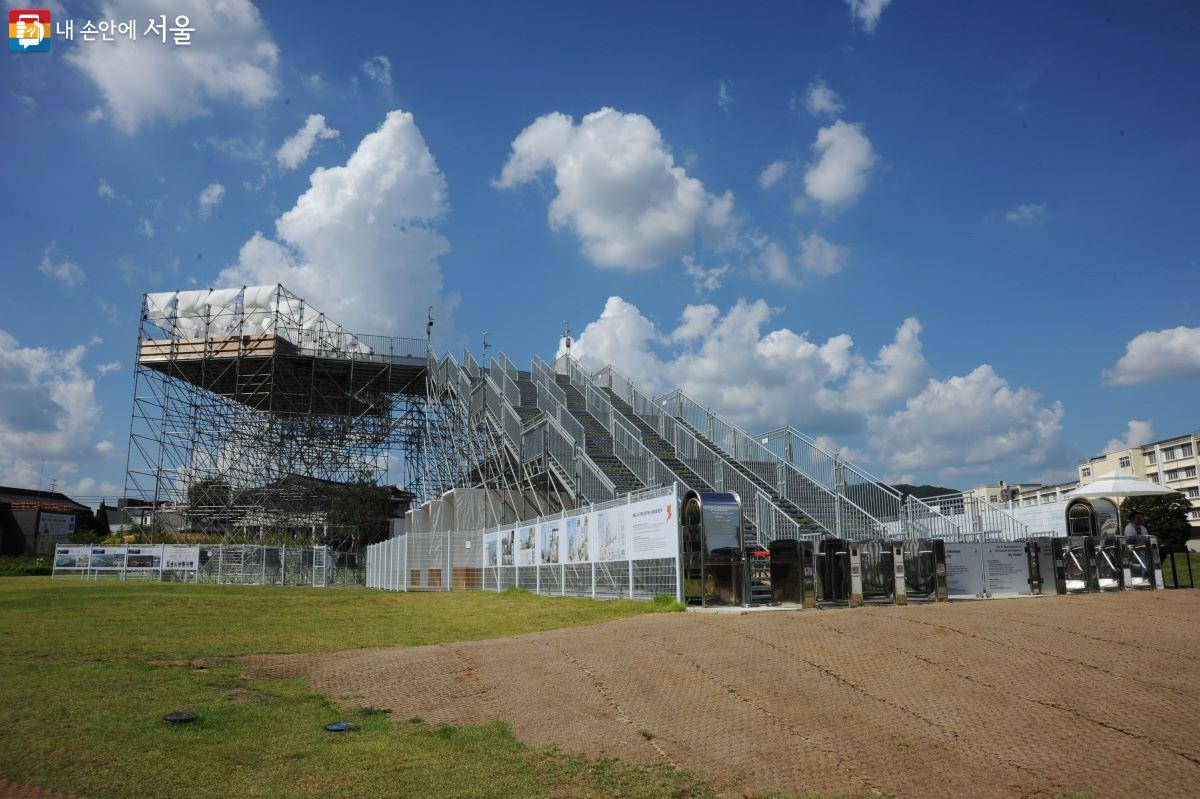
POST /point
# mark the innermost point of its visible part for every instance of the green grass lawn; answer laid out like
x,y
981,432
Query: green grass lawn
x,y
1168,569
81,703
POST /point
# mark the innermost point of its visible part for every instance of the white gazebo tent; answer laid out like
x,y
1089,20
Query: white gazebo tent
x,y
1118,485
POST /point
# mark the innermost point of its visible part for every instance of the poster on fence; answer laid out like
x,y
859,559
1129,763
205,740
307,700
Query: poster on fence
x,y
108,558
579,539
653,529
71,557
143,558
181,558
526,546
964,572
548,538
491,544
507,540
611,530
1007,569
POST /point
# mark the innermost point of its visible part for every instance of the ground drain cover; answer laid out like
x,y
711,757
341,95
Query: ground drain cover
x,y
179,717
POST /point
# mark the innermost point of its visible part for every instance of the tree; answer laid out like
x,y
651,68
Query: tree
x,y
359,514
100,527
1165,516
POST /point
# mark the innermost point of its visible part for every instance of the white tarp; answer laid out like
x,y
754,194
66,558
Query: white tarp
x,y
249,310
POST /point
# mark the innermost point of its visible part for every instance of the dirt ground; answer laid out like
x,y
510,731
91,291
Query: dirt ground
x,y
1005,698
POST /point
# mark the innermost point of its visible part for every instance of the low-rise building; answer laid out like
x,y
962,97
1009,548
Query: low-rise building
x,y
1032,495
1171,462
34,522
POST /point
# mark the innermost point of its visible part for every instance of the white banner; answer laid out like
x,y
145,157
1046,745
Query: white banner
x,y
653,529
579,539
1007,569
71,557
56,524
507,541
491,546
526,546
964,573
143,558
181,558
108,558
549,538
612,531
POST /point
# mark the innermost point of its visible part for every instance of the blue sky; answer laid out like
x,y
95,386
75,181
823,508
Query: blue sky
x,y
1018,181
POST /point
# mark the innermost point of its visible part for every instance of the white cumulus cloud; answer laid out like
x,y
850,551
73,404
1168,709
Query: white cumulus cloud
x,y
379,69
59,267
704,280
760,377
360,243
232,58
210,197
295,149
618,188
1028,215
1137,432
844,158
819,256
1158,355
967,424
867,12
48,412
820,100
725,95
772,174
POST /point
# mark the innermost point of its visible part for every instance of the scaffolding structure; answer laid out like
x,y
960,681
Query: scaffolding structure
x,y
256,418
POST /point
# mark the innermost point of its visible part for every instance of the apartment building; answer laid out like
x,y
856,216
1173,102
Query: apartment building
x,y
1001,493
1033,495
1172,462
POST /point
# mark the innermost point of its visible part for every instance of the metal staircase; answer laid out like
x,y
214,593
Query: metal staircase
x,y
661,448
598,442
557,437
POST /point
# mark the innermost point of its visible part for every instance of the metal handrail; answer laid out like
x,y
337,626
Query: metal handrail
x,y
883,504
979,516
769,520
628,446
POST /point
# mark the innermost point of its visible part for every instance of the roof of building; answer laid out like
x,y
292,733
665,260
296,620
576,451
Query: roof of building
x,y
36,497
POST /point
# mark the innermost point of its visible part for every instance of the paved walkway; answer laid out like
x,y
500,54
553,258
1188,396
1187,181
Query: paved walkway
x,y
984,699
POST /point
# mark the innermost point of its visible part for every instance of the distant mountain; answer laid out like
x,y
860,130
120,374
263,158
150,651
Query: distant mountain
x,y
922,492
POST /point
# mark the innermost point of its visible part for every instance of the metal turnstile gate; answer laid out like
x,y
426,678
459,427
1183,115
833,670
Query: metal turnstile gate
x,y
793,573
925,570
1142,563
1075,564
1109,558
838,573
882,582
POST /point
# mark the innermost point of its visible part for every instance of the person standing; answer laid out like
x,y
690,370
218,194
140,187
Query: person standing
x,y
1135,526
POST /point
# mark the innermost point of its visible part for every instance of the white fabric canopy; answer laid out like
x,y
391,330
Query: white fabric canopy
x,y
249,310
1120,483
